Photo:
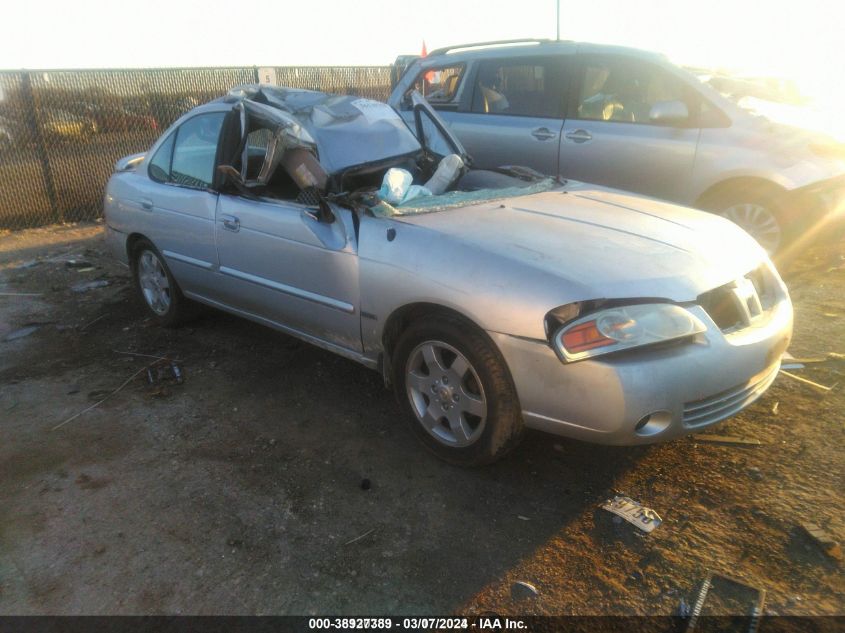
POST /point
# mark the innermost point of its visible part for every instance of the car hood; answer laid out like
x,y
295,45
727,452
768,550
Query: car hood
x,y
602,243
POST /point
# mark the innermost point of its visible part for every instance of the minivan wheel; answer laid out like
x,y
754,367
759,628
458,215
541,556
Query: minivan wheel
x,y
457,392
156,286
757,210
759,221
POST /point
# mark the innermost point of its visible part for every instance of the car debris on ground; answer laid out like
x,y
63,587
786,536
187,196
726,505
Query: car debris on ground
x,y
722,595
21,332
92,322
712,438
633,512
823,540
79,264
806,381
90,285
788,361
520,590
358,538
105,394
32,263
164,370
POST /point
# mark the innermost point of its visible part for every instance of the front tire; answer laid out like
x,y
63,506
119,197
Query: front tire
x,y
456,391
156,287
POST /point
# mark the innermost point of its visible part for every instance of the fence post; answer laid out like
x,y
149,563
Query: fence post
x,y
40,147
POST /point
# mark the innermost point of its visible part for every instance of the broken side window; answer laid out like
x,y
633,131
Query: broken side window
x,y
440,85
274,167
255,149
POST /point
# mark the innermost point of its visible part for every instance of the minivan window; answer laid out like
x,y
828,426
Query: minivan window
x,y
523,87
439,86
619,89
196,150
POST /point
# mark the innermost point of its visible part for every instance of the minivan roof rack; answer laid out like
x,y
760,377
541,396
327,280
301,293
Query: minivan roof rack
x,y
527,40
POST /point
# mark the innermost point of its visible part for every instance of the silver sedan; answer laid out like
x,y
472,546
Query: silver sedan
x,y
490,300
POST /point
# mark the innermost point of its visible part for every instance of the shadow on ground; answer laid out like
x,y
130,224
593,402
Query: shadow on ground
x,y
277,478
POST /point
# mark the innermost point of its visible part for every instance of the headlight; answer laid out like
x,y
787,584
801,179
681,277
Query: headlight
x,y
616,329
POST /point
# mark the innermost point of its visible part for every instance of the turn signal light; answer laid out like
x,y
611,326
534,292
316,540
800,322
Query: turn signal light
x,y
583,337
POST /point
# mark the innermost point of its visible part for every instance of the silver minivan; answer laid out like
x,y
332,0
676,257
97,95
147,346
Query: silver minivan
x,y
631,120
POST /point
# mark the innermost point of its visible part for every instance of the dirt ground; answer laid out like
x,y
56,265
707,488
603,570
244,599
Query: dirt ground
x,y
241,490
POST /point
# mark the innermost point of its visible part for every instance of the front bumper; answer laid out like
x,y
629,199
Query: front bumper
x,y
683,388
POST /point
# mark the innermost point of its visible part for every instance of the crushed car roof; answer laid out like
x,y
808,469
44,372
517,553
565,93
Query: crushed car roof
x,y
345,130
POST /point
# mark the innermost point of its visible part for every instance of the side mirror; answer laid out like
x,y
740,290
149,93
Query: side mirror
x,y
668,112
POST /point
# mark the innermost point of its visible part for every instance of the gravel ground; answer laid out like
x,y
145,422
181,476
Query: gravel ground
x,y
278,478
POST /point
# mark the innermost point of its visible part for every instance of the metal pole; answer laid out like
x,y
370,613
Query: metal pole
x,y
32,119
557,21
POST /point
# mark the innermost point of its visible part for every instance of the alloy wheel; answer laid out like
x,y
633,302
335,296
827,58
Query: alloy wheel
x,y
758,221
446,394
154,283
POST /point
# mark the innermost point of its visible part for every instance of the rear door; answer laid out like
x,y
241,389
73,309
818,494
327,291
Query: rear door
x,y
179,203
610,138
279,261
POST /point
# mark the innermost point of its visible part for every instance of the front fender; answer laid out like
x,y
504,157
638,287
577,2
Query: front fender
x,y
420,266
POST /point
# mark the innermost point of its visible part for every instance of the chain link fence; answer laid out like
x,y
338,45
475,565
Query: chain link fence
x,y
61,131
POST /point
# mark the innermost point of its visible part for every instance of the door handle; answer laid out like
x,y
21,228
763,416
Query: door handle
x,y
231,223
147,204
579,136
543,134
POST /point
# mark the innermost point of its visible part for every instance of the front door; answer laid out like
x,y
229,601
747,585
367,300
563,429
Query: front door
x,y
278,262
610,137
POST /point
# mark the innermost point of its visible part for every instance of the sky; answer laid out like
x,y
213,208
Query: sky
x,y
784,38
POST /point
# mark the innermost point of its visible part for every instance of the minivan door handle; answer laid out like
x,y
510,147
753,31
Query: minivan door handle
x,y
146,204
579,136
543,134
231,223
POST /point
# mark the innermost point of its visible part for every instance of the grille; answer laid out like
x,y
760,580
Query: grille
x,y
729,402
722,305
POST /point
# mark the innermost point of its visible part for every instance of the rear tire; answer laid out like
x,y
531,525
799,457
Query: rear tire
x,y
156,287
456,391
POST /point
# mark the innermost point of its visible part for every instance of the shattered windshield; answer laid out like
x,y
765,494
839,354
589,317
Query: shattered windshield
x,y
457,199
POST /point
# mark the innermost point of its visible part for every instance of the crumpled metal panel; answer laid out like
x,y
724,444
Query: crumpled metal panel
x,y
347,130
